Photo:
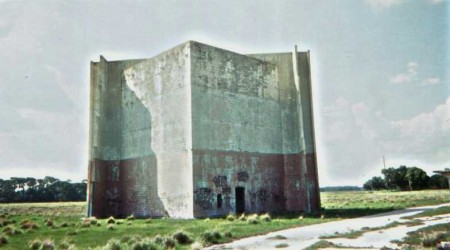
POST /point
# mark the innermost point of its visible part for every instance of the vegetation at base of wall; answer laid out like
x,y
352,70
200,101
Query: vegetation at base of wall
x,y
49,189
406,179
70,229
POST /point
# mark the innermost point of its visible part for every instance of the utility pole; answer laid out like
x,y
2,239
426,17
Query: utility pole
x,y
384,163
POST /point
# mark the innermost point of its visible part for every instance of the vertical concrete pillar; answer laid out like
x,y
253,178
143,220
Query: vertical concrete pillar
x,y
309,177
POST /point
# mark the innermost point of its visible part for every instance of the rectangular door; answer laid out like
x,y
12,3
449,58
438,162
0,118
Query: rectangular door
x,y
240,200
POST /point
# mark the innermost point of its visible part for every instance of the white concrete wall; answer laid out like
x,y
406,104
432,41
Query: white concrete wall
x,y
162,85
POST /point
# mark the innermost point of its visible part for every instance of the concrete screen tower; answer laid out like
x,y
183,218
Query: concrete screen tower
x,y
199,131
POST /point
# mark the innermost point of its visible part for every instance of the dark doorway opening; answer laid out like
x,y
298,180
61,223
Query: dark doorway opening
x,y
240,200
219,201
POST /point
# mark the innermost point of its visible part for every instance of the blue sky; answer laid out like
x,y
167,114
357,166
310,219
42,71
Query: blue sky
x,y
380,71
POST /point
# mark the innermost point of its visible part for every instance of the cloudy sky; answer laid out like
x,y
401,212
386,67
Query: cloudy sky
x,y
380,69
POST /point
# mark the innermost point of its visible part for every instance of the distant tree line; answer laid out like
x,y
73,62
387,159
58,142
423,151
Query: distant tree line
x,y
340,188
49,189
405,179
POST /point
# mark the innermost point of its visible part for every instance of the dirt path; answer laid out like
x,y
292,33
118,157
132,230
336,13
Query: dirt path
x,y
301,237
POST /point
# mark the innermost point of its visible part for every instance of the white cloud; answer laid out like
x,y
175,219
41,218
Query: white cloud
x,y
400,78
391,3
407,76
435,1
384,3
354,136
359,109
431,81
348,139
429,124
424,137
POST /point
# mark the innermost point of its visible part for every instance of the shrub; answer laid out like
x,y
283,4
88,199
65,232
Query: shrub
x,y
133,239
158,239
24,222
181,237
277,237
144,244
253,219
8,230
148,221
164,241
111,220
433,239
85,224
49,223
113,244
3,239
207,238
11,231
35,244
92,221
242,217
110,227
4,223
231,217
48,245
210,237
169,243
125,238
228,234
29,225
281,245
266,217
217,235
64,224
8,222
65,245
131,217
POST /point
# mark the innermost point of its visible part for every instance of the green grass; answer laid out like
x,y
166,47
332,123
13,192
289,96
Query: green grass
x,y
427,237
67,223
353,234
361,203
382,199
95,236
326,244
431,212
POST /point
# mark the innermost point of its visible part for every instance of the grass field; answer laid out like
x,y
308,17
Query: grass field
x,y
64,226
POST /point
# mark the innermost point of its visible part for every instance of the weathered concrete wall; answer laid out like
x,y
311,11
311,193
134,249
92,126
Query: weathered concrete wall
x,y
236,121
308,147
200,131
252,118
300,167
114,183
142,162
163,86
